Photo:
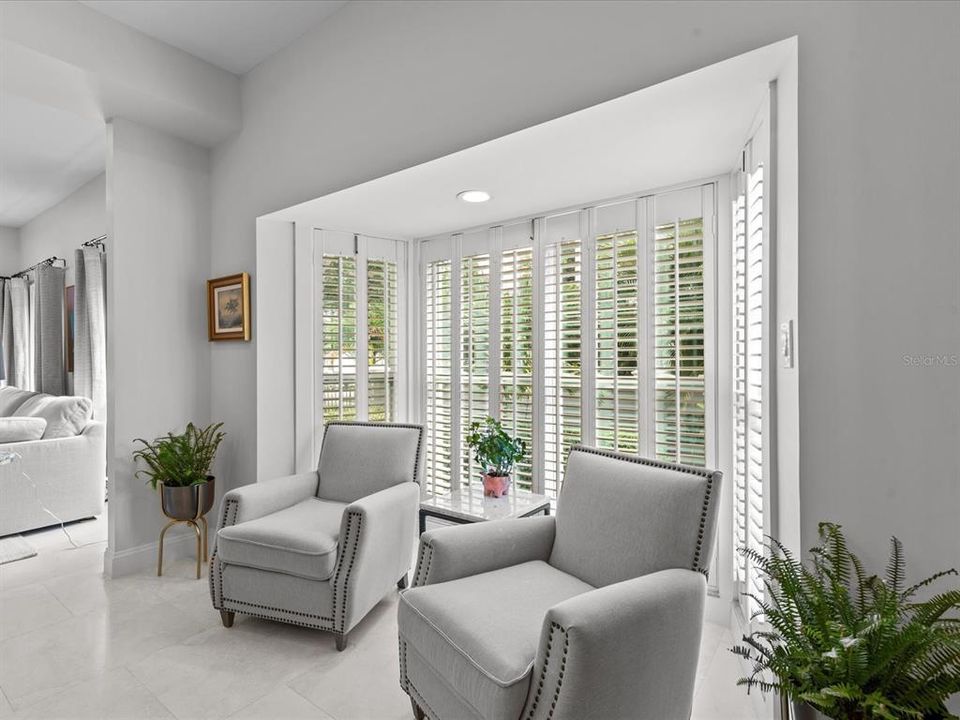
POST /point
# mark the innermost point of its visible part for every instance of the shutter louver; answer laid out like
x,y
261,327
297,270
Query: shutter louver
x,y
679,382
562,374
516,353
749,500
618,284
474,355
438,371
382,343
339,330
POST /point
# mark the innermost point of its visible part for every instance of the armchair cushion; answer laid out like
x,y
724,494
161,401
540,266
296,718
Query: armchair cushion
x,y
299,540
359,459
620,517
484,630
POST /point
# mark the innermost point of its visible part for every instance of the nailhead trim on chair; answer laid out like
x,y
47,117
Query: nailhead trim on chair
x,y
543,671
710,476
423,563
282,611
230,504
419,428
346,578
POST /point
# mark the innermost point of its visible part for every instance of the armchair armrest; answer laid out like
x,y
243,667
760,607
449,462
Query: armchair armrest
x,y
455,552
376,542
625,650
253,501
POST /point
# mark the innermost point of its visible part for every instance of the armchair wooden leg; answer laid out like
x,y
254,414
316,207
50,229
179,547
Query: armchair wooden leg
x,y
417,711
402,582
226,617
341,641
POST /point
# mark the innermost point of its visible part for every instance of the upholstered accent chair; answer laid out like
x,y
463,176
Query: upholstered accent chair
x,y
322,548
594,613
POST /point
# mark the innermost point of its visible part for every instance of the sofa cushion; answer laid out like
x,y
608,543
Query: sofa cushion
x,y
360,459
11,398
299,540
66,415
481,632
21,429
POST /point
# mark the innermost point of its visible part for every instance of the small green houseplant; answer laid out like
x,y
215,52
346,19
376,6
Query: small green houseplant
x,y
496,453
179,465
850,645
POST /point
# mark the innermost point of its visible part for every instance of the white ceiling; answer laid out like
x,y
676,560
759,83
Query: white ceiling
x,y
234,35
688,128
45,154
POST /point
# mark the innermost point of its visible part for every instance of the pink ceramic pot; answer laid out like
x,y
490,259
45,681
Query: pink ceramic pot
x,y
496,485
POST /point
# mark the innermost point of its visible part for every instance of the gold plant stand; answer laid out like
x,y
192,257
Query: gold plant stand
x,y
187,506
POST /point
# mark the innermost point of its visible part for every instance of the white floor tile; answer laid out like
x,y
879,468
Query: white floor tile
x,y
76,645
281,703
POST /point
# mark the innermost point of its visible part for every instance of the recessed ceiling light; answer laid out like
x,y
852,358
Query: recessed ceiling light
x,y
474,196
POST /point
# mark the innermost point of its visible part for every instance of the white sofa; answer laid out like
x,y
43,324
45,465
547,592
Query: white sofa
x,y
67,465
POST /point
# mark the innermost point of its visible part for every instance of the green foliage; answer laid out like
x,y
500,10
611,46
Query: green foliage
x,y
493,449
852,645
180,460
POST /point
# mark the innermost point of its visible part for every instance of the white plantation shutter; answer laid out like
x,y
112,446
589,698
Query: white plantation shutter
x,y
339,337
517,353
619,381
438,372
562,317
474,354
749,379
382,340
680,353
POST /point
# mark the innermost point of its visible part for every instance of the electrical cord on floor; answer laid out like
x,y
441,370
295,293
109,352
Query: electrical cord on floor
x,y
7,457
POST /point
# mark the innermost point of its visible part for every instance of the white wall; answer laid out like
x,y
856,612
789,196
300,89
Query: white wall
x,y
382,86
9,250
158,364
61,229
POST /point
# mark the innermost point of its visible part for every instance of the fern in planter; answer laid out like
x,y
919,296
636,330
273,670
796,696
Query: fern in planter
x,y
851,645
180,460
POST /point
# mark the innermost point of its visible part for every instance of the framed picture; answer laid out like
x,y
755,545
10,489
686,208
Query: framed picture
x,y
228,307
70,322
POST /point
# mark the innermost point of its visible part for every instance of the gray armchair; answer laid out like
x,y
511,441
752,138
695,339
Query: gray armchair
x,y
594,613
321,548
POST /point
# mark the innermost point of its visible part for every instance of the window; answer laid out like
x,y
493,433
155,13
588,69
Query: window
x,y
516,354
382,340
353,334
748,381
563,345
339,332
474,352
438,371
586,326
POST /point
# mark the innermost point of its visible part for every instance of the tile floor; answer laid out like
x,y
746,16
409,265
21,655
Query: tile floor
x,y
75,645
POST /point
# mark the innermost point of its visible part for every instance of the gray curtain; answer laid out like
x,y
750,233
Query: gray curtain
x,y
6,332
20,372
90,342
48,367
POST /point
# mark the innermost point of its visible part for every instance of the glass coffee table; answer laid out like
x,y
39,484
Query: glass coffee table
x,y
471,506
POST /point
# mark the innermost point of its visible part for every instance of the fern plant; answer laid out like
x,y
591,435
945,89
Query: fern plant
x,y
852,645
180,460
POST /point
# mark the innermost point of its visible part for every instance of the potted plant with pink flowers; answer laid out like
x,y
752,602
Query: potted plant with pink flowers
x,y
496,453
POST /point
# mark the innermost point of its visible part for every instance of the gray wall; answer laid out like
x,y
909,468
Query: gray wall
x,y
158,365
383,86
9,250
61,229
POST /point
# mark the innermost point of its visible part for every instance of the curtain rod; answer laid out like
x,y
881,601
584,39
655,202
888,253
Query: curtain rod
x,y
52,261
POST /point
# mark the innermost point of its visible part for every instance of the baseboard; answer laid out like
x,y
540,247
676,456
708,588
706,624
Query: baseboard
x,y
135,560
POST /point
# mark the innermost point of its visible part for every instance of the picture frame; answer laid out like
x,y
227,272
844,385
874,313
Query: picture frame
x,y
228,307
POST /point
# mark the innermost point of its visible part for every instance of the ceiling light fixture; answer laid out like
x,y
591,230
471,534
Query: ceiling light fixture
x,y
474,196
